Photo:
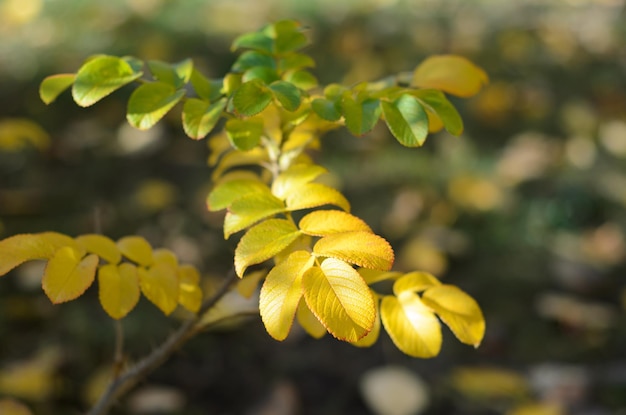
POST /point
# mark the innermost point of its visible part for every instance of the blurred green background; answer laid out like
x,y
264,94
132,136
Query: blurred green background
x,y
525,211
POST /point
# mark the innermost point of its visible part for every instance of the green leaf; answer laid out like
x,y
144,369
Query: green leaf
x,y
160,286
249,209
281,293
326,109
150,102
99,77
118,289
252,58
328,222
135,63
287,36
200,116
437,102
360,115
295,61
312,195
262,73
67,275
263,241
52,86
364,249
251,98
287,94
302,79
244,135
340,299
206,89
256,40
176,75
226,193
407,120
18,249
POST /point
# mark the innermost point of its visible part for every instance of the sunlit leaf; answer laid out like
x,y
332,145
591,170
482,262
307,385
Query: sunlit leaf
x,y
364,249
450,73
248,285
287,94
360,115
251,58
102,246
189,293
326,109
52,86
18,249
281,293
227,192
176,75
373,335
294,61
312,195
294,177
251,98
207,89
118,289
263,241
287,36
459,311
414,282
67,275
340,299
99,77
244,134
407,120
136,249
160,285
165,256
328,222
309,322
302,79
412,326
200,116
437,102
372,276
150,102
250,209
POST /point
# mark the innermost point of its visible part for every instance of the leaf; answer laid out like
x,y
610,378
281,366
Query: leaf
x,y
412,326
150,102
414,282
251,98
118,289
200,117
160,285
407,120
262,242
257,41
373,335
100,77
459,311
328,222
372,276
312,195
340,299
247,286
309,322
450,73
281,293
443,109
102,246
287,94
67,276
176,75
261,74
18,249
301,79
244,135
364,249
326,109
250,209
136,249
252,58
225,193
52,86
360,115
294,61
294,177
287,36
189,292
206,89
165,256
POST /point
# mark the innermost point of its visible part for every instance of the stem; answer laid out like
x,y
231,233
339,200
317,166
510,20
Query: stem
x,y
131,376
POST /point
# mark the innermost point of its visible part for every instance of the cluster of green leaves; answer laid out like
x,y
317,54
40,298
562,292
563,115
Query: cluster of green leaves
x,y
325,260
125,270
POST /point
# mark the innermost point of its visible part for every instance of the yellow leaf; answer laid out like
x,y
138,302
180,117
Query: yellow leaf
x,y
372,276
247,286
137,249
31,379
312,195
459,311
489,383
13,407
165,256
364,249
414,282
373,335
327,222
309,322
190,293
340,299
227,192
281,293
294,177
250,209
450,73
102,246
18,249
67,276
264,241
119,289
256,156
412,326
160,285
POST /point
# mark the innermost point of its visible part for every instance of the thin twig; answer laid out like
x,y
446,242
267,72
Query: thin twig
x,y
131,376
118,354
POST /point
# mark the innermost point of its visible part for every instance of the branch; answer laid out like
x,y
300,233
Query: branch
x,y
131,376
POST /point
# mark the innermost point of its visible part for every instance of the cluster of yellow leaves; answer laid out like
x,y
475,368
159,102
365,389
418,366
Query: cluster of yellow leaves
x,y
125,269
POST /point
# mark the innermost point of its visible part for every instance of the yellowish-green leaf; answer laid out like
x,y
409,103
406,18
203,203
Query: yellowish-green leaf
x,y
256,156
226,193
407,120
150,102
263,241
160,285
412,326
361,115
439,108
102,246
450,73
118,289
364,249
18,249
177,74
328,222
309,322
312,195
340,299
136,249
373,335
294,177
459,311
247,286
52,86
190,294
200,116
246,134
250,209
281,293
67,275
415,282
